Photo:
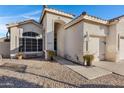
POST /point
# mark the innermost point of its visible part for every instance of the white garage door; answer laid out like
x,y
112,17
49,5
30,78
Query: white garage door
x,y
121,48
97,46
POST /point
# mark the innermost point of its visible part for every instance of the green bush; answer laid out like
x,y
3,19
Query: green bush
x,y
51,54
88,58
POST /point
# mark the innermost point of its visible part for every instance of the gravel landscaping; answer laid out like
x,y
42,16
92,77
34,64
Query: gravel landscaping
x,y
9,82
14,67
54,75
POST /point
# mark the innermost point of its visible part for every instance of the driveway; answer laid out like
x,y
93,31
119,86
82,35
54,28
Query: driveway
x,y
117,67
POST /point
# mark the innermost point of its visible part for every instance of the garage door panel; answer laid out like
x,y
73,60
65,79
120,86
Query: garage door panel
x,y
97,47
122,48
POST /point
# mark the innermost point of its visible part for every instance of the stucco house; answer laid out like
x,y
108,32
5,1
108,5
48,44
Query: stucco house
x,y
25,37
72,37
68,36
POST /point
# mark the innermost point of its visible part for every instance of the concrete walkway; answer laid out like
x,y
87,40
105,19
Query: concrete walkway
x,y
87,72
117,67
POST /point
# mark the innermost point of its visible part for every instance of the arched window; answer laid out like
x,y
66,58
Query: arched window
x,y
30,43
30,34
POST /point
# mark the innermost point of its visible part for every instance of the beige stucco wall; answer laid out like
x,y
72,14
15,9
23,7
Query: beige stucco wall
x,y
59,29
97,38
74,42
111,45
113,41
31,28
14,40
16,32
120,27
95,29
5,49
50,20
43,24
120,39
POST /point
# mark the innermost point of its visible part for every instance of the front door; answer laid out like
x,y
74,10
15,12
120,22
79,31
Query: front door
x,y
55,41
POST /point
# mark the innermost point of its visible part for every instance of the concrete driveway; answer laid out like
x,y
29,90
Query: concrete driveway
x,y
117,67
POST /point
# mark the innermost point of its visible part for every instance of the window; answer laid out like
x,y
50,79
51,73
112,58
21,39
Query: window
x,y
29,42
30,34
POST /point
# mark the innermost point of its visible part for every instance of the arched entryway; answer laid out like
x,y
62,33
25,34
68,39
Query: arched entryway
x,y
59,37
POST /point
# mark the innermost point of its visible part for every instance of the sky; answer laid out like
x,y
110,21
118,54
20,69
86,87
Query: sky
x,y
12,13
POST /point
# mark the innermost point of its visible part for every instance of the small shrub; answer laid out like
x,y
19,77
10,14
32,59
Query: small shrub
x,y
19,55
51,54
88,58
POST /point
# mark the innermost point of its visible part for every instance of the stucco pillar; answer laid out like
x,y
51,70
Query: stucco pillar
x,y
117,47
14,41
49,38
112,44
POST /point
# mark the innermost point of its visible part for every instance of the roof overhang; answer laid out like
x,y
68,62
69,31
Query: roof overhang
x,y
22,23
87,18
56,12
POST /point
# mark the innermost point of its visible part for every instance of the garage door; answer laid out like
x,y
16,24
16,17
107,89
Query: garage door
x,y
97,46
121,48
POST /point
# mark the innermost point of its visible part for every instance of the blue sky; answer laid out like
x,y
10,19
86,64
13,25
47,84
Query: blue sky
x,y
10,14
